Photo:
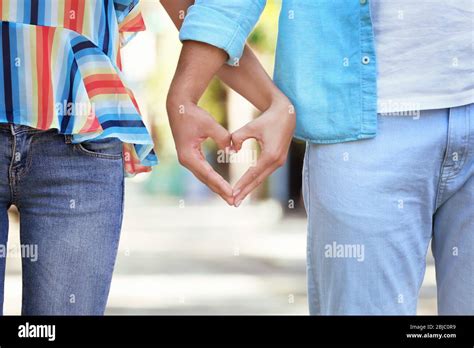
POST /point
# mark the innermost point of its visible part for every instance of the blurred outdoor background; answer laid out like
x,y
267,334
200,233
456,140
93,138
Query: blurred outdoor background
x,y
183,250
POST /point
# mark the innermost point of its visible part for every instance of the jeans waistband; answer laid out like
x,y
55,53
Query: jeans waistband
x,y
16,129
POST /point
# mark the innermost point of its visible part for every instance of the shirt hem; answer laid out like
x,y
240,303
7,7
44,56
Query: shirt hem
x,y
359,136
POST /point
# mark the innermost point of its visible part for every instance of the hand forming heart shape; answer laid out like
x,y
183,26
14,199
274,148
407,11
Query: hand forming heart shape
x,y
273,130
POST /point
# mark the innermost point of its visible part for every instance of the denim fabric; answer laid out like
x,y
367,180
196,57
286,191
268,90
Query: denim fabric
x,y
375,205
70,199
325,59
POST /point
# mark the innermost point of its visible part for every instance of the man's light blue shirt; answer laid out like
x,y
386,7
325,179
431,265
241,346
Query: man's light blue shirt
x,y
325,59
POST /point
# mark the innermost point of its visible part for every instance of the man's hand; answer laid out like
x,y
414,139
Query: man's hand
x,y
191,125
273,130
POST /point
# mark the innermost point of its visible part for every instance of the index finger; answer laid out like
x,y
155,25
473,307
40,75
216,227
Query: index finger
x,y
241,195
253,173
207,175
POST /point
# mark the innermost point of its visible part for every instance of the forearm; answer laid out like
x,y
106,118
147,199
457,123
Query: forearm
x,y
197,65
249,78
251,81
176,10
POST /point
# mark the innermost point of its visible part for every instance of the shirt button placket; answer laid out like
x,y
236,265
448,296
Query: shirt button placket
x,y
365,59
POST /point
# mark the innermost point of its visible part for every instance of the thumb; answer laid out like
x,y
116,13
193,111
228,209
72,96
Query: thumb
x,y
242,134
220,135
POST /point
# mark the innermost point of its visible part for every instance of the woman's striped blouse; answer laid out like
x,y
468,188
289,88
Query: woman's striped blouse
x,y
60,69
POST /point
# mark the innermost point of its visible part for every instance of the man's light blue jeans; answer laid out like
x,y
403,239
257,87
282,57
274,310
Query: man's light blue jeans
x,y
375,205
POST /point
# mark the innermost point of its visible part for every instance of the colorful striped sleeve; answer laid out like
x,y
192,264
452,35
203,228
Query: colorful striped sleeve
x,y
130,19
60,68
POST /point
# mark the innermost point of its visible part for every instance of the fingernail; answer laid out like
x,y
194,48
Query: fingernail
x,y
236,193
238,203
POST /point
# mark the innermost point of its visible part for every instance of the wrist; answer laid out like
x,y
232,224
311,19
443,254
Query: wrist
x,y
177,102
279,100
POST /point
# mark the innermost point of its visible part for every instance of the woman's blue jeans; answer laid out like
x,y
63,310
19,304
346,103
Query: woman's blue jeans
x,y
70,199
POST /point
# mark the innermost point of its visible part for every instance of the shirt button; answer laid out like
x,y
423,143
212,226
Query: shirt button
x,y
365,60
363,2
